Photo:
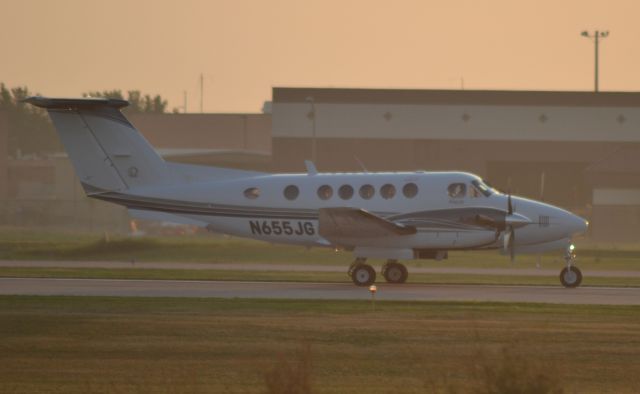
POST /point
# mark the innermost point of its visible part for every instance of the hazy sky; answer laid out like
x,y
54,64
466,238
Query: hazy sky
x,y
243,48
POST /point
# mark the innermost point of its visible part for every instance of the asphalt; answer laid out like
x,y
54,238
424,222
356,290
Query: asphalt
x,y
320,291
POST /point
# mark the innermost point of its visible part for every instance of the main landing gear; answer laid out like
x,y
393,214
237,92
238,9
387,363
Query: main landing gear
x,y
570,276
363,274
394,272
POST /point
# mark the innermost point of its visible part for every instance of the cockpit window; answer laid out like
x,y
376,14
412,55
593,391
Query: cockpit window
x,y
482,188
457,190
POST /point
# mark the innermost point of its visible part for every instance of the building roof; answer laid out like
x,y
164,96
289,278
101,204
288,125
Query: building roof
x,y
459,97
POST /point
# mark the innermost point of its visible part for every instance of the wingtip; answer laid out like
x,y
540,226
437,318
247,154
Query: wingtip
x,y
31,100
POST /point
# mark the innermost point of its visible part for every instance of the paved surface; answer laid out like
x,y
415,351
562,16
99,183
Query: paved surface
x,y
554,272
176,288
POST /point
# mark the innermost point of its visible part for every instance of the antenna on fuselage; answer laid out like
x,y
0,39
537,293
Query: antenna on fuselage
x,y
311,168
360,163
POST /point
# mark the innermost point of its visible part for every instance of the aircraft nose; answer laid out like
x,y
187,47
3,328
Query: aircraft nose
x,y
576,224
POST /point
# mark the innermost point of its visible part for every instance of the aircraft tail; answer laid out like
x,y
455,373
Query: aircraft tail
x,y
106,150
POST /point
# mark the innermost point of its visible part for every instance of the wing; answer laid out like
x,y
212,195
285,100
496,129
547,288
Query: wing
x,y
352,223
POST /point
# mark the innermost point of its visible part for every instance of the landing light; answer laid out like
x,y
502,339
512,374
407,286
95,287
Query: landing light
x,y
373,290
572,247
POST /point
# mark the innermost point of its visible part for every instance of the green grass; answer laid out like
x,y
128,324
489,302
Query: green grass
x,y
21,244
139,345
292,276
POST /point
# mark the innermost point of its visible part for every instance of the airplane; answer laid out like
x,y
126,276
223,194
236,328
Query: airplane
x,y
386,215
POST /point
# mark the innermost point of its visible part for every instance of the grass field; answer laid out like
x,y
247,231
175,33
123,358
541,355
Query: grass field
x,y
20,244
138,345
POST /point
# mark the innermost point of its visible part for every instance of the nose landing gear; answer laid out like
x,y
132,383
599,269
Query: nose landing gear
x,y
570,276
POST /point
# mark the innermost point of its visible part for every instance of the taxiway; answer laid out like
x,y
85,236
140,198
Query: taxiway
x,y
333,291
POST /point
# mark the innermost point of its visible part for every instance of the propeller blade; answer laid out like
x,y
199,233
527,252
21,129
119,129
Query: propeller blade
x,y
509,205
508,240
512,240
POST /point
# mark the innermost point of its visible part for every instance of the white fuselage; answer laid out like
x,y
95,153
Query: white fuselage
x,y
257,207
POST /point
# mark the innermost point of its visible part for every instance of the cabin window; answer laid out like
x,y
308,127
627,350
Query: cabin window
x,y
410,190
325,192
291,192
367,191
345,192
252,193
457,190
387,191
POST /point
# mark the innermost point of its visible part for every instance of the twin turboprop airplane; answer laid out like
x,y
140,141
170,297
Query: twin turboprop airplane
x,y
392,216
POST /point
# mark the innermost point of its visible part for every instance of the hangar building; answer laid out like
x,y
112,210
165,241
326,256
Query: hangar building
x,y
578,150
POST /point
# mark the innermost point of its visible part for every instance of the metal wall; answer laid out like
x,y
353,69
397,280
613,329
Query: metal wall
x,y
554,146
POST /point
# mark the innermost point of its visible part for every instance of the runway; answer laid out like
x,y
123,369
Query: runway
x,y
319,291
302,267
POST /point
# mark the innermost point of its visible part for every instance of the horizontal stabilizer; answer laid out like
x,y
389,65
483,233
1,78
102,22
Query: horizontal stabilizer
x,y
350,223
75,103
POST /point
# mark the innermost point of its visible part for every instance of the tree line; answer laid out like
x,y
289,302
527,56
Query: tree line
x,y
31,131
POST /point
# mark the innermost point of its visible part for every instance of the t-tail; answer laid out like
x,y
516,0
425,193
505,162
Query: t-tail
x,y
106,150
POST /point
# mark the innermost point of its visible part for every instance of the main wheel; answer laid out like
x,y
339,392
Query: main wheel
x,y
570,277
395,273
363,275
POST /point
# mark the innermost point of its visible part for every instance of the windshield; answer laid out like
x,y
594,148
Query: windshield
x,y
483,188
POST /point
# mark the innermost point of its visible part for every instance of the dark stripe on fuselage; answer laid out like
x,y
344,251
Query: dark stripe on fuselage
x,y
206,209
439,220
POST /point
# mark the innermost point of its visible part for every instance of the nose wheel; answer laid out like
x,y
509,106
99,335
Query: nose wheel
x,y
570,276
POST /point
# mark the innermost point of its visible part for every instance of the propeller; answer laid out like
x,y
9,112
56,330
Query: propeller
x,y
509,240
510,235
512,220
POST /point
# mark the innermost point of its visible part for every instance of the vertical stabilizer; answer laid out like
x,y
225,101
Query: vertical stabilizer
x,y
106,150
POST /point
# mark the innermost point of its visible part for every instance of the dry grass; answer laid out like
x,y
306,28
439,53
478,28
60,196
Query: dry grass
x,y
291,375
122,345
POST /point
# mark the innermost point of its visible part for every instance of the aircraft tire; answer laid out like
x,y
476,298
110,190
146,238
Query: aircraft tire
x,y
570,277
363,275
395,273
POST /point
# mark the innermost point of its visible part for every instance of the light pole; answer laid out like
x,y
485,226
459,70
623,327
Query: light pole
x,y
312,116
596,36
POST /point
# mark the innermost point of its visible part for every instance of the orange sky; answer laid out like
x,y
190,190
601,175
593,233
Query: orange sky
x,y
66,47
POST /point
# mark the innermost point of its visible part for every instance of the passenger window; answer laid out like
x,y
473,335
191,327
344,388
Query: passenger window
x,y
367,191
291,192
325,192
345,192
387,191
252,193
410,190
457,190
